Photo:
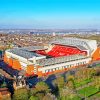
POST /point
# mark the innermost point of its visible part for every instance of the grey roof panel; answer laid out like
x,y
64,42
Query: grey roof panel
x,y
52,61
24,53
81,47
33,48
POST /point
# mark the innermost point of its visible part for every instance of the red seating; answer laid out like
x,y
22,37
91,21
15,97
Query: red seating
x,y
42,52
64,51
59,50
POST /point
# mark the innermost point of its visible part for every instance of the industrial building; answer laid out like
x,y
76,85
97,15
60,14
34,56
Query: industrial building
x,y
60,55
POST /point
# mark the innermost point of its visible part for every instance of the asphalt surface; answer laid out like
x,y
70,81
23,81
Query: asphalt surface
x,y
7,69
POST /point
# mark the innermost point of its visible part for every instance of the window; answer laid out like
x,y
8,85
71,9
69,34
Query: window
x,y
72,65
54,69
67,66
57,68
84,62
46,71
64,66
77,64
51,70
80,63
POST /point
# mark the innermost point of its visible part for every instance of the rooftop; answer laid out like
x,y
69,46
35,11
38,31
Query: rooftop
x,y
24,53
52,61
33,48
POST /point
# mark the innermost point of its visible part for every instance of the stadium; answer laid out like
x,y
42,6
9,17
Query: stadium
x,y
60,55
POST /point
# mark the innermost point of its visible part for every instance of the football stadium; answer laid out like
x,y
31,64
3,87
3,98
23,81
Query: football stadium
x,y
60,55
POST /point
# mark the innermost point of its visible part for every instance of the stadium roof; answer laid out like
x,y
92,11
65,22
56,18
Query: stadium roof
x,y
71,39
24,53
81,47
52,61
79,43
33,48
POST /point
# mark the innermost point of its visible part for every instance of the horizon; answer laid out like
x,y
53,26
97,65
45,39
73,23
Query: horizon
x,y
49,14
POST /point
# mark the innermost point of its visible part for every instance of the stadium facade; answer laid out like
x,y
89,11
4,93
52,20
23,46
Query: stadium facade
x,y
59,56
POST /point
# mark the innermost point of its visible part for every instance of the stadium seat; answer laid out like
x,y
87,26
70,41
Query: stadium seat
x,y
59,50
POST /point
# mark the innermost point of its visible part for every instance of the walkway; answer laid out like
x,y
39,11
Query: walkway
x,y
3,73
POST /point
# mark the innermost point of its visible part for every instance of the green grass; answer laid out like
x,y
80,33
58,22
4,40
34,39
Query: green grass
x,y
97,65
34,98
68,98
87,91
97,95
82,82
76,98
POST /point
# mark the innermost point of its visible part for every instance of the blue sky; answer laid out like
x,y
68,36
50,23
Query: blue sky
x,y
50,14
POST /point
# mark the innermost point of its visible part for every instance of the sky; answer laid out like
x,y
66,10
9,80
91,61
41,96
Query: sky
x,y
50,14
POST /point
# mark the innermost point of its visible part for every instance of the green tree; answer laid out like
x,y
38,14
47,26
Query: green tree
x,y
33,98
59,82
21,94
66,94
70,84
70,78
97,82
42,87
40,95
33,91
49,97
40,90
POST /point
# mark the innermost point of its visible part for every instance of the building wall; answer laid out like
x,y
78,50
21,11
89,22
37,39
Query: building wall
x,y
19,63
96,54
62,67
41,71
93,45
11,55
30,70
16,61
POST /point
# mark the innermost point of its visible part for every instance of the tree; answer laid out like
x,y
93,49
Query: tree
x,y
97,72
97,82
40,95
33,91
49,97
70,84
42,87
70,78
66,94
59,82
40,90
21,94
33,98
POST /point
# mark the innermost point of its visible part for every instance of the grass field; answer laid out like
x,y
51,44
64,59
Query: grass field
x,y
97,65
97,95
82,83
87,91
68,98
